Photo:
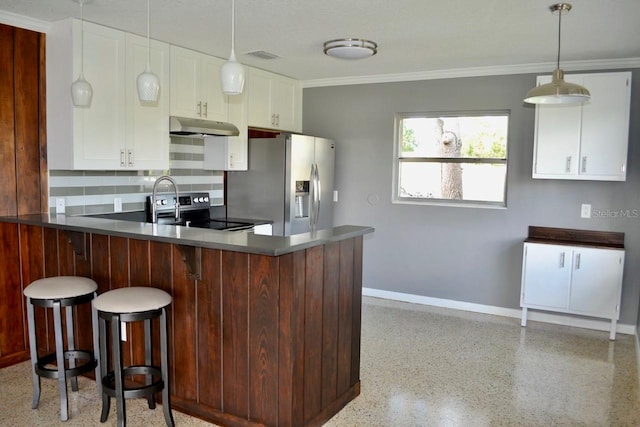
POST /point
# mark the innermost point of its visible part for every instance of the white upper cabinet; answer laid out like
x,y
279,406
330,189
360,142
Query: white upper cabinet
x,y
147,136
230,153
115,132
274,101
195,86
585,141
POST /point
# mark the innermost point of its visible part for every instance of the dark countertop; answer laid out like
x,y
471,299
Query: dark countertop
x,y
575,237
225,240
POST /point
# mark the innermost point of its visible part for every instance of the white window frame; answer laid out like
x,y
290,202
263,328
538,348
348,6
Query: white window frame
x,y
397,159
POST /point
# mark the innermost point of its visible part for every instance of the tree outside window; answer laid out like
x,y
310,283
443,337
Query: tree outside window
x,y
451,158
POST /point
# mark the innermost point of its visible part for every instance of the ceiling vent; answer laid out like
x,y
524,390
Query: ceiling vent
x,y
261,54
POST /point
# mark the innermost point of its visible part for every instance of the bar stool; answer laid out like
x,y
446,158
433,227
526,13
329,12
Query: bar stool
x,y
130,305
57,292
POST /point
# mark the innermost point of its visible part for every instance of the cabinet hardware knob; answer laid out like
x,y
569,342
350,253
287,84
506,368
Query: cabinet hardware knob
x,y
577,261
122,157
568,167
584,164
200,108
562,260
130,158
206,110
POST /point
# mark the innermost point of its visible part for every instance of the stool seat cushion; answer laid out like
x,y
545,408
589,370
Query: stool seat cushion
x,y
60,287
135,299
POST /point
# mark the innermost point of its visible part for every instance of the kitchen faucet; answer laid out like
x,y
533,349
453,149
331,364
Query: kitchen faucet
x,y
154,207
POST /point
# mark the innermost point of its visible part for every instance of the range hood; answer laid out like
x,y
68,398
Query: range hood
x,y
198,128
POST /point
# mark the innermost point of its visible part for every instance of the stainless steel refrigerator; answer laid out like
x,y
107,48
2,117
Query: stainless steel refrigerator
x,y
290,181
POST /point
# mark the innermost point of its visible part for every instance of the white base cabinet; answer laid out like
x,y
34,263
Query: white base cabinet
x,y
572,279
116,131
585,141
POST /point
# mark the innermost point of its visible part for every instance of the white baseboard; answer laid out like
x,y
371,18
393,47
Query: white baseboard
x,y
558,319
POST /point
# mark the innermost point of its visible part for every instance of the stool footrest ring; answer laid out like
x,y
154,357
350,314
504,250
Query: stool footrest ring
x,y
87,356
130,390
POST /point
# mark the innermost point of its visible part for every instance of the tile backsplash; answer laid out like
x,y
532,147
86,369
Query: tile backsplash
x,y
90,192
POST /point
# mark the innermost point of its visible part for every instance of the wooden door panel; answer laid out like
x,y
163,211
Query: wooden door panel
x,y
184,319
27,109
345,316
235,300
263,339
139,268
291,342
12,338
8,176
331,272
313,333
161,277
209,330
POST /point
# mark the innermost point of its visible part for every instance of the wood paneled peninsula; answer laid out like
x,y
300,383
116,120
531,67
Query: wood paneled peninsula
x,y
264,331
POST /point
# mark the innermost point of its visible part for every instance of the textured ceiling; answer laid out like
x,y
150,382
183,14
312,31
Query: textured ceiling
x,y
414,36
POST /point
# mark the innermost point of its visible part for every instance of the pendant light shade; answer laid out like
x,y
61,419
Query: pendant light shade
x,y
81,90
148,86
558,91
232,72
148,83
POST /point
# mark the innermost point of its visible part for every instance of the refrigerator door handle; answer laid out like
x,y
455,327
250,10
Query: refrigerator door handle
x,y
312,196
318,194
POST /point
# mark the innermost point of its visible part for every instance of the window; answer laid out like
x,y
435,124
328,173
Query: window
x,y
456,159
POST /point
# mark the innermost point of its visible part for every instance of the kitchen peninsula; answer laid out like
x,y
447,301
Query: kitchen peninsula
x,y
263,330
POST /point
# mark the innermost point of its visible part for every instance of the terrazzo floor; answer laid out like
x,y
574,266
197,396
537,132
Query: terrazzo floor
x,y
426,366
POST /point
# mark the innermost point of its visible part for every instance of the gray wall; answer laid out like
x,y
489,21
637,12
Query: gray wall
x,y
465,254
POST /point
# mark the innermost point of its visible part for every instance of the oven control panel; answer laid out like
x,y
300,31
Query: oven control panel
x,y
188,201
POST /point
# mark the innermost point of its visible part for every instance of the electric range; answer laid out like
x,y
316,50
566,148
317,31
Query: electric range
x,y
194,212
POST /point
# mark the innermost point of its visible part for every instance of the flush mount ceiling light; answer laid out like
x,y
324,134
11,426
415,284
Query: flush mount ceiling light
x,y
148,83
232,72
558,91
81,90
350,48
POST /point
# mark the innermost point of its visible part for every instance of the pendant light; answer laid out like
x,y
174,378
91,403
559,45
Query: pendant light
x,y
558,91
232,72
81,90
148,83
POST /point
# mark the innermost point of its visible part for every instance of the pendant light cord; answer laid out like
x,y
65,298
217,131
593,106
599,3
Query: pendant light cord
x,y
148,36
559,33
82,39
233,25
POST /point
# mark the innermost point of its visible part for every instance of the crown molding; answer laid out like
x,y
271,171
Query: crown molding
x,y
547,67
25,22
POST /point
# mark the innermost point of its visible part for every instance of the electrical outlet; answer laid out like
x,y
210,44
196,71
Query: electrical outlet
x,y
59,205
585,211
123,331
117,204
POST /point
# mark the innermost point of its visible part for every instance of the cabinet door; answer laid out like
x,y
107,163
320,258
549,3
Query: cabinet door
x,y
238,145
259,100
546,276
99,131
185,83
147,142
605,126
597,281
214,102
287,103
557,137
